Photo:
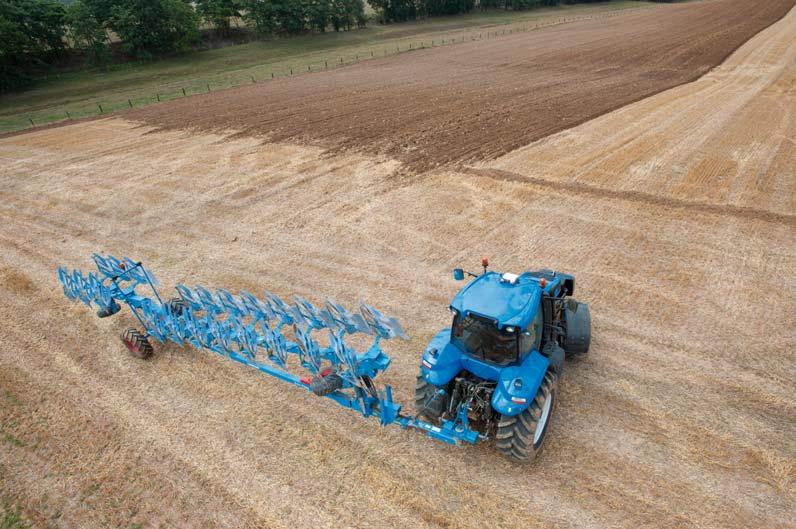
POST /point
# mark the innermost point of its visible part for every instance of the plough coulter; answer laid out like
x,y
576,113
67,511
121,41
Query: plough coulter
x,y
492,374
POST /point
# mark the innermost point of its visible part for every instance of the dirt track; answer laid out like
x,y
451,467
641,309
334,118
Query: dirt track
x,y
683,415
482,99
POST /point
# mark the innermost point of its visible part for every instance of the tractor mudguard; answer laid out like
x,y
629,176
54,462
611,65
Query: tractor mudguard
x,y
442,360
512,397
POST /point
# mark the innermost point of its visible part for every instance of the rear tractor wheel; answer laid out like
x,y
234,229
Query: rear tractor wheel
x,y
521,437
428,401
137,343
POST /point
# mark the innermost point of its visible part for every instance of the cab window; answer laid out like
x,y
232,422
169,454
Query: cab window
x,y
481,338
531,337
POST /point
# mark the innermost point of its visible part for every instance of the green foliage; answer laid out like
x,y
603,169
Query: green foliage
x,y
395,10
150,28
101,9
12,440
319,13
219,12
401,10
31,36
88,33
295,16
10,518
447,7
348,14
521,5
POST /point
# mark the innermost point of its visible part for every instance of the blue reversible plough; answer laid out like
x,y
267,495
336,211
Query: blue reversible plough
x,y
492,374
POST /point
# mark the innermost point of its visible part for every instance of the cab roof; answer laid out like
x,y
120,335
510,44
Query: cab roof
x,y
507,299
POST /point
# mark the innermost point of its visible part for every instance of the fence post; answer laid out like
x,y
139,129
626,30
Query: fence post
x,y
291,70
68,116
253,81
31,122
100,108
326,64
208,87
371,53
183,92
272,75
130,103
158,96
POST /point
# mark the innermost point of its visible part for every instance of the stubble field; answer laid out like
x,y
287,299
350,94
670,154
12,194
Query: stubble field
x,y
676,214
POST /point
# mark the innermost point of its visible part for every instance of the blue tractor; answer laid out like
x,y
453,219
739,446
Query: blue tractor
x,y
497,368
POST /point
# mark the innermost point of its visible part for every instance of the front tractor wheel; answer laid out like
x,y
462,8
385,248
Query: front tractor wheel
x,y
137,343
428,402
521,437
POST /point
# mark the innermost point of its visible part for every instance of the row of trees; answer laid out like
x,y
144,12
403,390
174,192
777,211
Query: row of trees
x,y
295,16
401,10
31,36
37,33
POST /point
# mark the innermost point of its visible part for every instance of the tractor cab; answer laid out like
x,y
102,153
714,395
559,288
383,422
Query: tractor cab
x,y
498,318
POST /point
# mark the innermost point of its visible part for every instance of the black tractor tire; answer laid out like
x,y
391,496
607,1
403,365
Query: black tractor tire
x,y
137,343
428,402
578,321
176,306
516,435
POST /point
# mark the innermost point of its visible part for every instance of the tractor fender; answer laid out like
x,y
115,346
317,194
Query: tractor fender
x,y
512,397
442,360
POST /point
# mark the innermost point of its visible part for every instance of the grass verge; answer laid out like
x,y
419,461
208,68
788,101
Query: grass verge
x,y
10,518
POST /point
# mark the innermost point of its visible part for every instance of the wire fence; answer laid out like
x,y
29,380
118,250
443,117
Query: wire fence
x,y
245,76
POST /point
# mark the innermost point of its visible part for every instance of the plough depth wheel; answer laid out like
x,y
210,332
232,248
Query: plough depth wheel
x,y
137,343
176,306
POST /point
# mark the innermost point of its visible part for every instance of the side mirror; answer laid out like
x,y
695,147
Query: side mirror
x,y
458,274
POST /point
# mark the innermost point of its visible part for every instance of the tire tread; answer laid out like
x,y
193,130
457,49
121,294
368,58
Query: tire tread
x,y
514,436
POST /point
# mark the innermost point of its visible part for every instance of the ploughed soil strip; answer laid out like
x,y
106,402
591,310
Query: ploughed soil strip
x,y
484,98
